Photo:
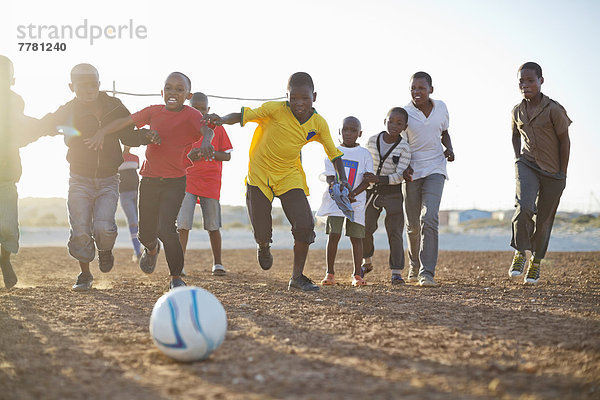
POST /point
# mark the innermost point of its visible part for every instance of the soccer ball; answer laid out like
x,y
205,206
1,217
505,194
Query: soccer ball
x,y
188,323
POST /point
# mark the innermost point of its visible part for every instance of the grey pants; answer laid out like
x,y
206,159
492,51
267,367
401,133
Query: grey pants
x,y
422,199
394,223
9,220
537,198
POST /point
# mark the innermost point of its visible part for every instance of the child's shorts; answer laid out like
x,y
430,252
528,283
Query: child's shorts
x,y
211,212
335,224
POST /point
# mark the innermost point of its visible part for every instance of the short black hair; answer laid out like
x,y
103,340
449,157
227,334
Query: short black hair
x,y
422,75
353,118
84,69
199,96
400,110
301,79
185,78
535,67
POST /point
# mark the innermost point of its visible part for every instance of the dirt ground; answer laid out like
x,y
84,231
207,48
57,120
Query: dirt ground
x,y
477,336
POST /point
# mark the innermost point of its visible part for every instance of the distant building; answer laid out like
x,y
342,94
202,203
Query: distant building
x,y
458,217
503,215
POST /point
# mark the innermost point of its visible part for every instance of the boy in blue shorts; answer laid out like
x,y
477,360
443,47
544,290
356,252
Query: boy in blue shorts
x,y
93,183
357,161
275,169
15,133
541,170
203,185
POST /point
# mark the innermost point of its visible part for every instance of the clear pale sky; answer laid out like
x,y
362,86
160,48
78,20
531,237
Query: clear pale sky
x,y
361,56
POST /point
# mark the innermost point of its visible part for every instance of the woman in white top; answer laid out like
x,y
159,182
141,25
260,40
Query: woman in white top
x,y
427,135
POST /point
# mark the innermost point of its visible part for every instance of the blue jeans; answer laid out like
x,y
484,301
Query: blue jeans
x,y
129,205
92,204
422,199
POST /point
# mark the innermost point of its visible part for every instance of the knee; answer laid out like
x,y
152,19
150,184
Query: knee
x,y
105,229
305,232
430,220
523,208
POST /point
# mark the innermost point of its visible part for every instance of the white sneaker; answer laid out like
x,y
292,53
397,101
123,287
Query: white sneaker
x,y
427,281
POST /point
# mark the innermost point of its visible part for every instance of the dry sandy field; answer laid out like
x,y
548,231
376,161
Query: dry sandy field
x,y
478,335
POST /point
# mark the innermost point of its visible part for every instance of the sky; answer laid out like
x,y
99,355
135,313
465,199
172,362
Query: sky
x,y
361,56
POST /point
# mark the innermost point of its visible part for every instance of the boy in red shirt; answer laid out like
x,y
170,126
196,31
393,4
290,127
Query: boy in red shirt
x,y
163,172
203,180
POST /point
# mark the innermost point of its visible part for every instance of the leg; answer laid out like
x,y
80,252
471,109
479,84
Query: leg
x,y
259,211
211,214
394,225
331,251
297,210
185,218
528,186
129,205
80,204
371,216
104,227
412,209
547,203
171,196
432,189
357,252
9,231
149,209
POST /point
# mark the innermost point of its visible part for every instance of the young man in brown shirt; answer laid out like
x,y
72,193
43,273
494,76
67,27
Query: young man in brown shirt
x,y
541,170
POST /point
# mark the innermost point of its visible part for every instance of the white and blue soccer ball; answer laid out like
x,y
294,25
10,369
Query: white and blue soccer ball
x,y
188,323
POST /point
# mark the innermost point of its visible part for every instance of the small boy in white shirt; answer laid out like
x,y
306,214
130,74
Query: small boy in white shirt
x,y
357,161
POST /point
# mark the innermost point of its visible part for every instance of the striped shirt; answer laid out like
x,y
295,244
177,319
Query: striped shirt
x,y
395,164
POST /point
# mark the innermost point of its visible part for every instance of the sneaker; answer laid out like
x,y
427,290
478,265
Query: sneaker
x,y
10,278
427,281
264,256
533,272
365,269
218,270
518,264
106,260
397,280
302,283
148,261
176,282
413,274
84,282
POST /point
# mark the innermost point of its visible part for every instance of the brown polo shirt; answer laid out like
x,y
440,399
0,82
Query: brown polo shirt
x,y
541,133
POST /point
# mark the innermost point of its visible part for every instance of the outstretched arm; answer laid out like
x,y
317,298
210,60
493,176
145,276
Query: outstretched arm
x,y
229,119
206,149
96,141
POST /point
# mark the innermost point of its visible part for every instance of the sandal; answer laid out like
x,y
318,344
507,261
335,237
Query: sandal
x,y
358,281
365,269
329,280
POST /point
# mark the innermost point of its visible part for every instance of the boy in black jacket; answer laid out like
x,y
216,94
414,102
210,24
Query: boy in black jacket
x,y
94,183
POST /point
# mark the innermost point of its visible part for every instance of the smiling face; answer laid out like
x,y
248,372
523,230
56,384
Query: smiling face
x,y
301,100
529,83
176,92
350,131
420,91
396,123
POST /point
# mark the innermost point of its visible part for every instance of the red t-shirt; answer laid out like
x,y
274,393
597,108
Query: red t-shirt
x,y
204,177
178,130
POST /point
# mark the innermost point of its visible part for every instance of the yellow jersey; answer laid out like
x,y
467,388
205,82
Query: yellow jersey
x,y
275,166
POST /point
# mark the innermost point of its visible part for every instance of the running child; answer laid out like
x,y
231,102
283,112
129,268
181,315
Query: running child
x,y
129,182
203,185
427,132
93,183
275,169
162,188
541,170
391,155
357,161
15,133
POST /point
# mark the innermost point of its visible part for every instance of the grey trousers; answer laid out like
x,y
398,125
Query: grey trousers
x,y
394,223
537,198
9,220
422,199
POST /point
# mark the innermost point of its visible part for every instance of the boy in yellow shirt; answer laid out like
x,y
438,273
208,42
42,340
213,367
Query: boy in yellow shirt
x,y
275,169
